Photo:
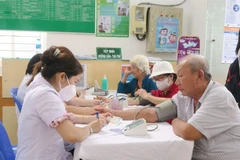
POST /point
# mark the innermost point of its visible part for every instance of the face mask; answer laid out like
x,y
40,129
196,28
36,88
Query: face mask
x,y
162,85
68,92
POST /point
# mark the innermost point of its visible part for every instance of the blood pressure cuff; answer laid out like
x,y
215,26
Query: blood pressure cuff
x,y
144,102
166,110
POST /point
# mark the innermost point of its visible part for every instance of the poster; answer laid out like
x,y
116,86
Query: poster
x,y
232,13
187,45
112,18
230,39
166,34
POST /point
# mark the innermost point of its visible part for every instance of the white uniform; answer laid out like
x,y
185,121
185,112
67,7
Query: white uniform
x,y
36,139
23,87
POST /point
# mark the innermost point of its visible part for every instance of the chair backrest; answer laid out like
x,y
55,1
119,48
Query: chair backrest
x,y
13,93
1,156
5,145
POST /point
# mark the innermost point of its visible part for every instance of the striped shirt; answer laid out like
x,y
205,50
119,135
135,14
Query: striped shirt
x,y
217,118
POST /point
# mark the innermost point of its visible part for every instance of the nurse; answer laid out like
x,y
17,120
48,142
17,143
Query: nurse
x,y
44,122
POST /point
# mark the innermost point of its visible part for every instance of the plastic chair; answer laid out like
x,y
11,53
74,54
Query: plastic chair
x,y
13,93
1,156
5,145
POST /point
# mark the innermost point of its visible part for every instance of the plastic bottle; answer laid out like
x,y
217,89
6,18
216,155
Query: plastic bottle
x,y
105,83
38,45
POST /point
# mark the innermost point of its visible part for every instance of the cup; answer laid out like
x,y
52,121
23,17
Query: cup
x,y
115,105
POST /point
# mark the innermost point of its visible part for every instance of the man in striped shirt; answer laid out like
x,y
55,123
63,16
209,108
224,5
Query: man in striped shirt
x,y
206,112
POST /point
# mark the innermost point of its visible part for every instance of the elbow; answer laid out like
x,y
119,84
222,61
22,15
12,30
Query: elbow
x,y
151,116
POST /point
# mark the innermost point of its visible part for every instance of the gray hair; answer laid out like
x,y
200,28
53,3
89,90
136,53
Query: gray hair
x,y
141,63
196,63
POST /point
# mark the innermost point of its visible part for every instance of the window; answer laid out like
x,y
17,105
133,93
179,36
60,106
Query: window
x,y
21,44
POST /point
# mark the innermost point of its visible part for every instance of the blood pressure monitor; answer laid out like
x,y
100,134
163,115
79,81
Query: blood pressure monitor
x,y
136,128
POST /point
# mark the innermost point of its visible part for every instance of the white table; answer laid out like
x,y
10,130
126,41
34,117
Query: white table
x,y
161,144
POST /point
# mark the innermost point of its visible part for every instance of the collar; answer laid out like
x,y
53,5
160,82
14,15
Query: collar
x,y
209,86
39,78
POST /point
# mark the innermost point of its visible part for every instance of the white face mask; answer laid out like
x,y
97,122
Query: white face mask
x,y
162,85
68,92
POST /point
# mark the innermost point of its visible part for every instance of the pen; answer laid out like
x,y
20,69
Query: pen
x,y
136,97
97,115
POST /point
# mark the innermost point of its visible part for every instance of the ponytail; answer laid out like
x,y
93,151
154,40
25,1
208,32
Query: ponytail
x,y
36,70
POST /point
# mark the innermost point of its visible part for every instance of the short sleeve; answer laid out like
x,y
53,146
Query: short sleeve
x,y
50,107
213,116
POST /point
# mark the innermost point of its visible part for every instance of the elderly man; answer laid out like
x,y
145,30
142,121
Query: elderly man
x,y
206,112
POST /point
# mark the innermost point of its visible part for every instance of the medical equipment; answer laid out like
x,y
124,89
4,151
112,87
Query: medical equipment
x,y
136,128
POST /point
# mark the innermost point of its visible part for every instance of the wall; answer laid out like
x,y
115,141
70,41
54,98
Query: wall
x,y
215,30
194,22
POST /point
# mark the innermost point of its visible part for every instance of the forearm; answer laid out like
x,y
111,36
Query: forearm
x,y
185,130
80,110
83,119
83,102
179,127
155,100
124,78
148,114
72,134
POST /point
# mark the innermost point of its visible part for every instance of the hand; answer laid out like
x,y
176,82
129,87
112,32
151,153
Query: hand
x,y
142,92
105,115
101,109
128,71
104,99
97,125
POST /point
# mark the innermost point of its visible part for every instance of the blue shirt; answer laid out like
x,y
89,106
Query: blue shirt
x,y
147,83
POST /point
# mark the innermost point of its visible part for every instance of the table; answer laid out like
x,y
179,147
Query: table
x,y
110,144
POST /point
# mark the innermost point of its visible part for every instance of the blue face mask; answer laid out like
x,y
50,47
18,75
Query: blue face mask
x,y
68,92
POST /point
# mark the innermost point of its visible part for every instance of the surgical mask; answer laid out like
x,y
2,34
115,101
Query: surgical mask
x,y
162,85
68,92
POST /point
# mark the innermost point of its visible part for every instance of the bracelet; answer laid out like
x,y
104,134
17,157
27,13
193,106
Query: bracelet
x,y
90,129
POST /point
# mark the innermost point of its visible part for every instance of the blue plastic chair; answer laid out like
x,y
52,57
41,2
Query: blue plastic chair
x,y
13,93
1,156
5,145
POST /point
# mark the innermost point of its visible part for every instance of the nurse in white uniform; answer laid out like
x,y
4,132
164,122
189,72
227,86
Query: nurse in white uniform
x,y
44,122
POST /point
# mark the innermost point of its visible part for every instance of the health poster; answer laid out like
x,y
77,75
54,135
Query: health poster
x,y
232,13
230,39
112,18
187,45
166,34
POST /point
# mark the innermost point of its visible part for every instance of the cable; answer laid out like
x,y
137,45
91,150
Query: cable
x,y
149,130
141,37
156,126
165,5
140,111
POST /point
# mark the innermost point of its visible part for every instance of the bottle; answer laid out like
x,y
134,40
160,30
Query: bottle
x,y
105,83
38,45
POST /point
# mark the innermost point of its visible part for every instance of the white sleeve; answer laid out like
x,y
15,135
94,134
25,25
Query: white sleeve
x,y
214,115
50,107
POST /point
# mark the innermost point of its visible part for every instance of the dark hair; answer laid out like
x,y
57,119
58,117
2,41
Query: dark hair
x,y
57,59
36,58
238,44
174,76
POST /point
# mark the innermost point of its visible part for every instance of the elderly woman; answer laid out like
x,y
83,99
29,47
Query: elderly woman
x,y
140,69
